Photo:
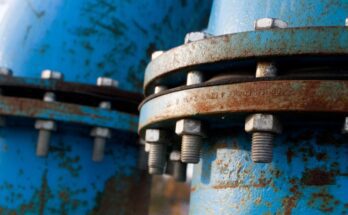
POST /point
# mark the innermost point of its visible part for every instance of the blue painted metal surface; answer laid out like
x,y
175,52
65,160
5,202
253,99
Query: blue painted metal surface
x,y
231,16
308,175
309,172
83,39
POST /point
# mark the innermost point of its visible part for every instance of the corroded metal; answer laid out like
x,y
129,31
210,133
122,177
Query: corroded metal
x,y
307,176
315,41
64,112
70,92
261,96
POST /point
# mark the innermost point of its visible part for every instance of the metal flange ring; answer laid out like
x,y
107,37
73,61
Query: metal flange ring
x,y
329,96
218,51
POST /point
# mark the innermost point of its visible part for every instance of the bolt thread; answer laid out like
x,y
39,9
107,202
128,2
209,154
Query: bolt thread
x,y
179,171
43,143
98,149
262,147
191,148
156,160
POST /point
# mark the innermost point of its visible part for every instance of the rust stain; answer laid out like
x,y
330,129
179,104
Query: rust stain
x,y
124,194
317,177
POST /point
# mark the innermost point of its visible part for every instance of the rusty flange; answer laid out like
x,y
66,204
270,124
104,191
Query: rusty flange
x,y
330,96
210,53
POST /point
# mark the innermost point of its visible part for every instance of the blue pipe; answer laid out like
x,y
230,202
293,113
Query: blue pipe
x,y
83,39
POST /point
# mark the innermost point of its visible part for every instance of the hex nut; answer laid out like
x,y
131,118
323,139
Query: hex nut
x,y
107,82
188,127
154,136
48,125
50,74
345,126
195,36
269,23
6,71
156,54
175,156
262,123
101,132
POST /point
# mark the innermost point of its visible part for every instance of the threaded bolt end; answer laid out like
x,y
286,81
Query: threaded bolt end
x,y
262,147
179,171
98,149
156,160
191,148
43,143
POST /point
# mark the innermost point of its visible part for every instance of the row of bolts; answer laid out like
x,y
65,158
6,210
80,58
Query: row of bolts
x,y
45,127
189,129
263,127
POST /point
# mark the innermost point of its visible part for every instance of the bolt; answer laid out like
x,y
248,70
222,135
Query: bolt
x,y
191,132
45,127
100,134
157,155
155,140
178,167
189,129
263,127
345,126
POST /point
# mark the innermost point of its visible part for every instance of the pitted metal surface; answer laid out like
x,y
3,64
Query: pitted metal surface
x,y
306,96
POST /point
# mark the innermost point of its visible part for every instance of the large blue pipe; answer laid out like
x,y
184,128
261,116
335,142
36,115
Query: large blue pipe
x,y
309,171
83,39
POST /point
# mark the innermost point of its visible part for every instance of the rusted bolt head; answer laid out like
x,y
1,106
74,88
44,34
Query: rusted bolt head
x,y
345,126
269,23
175,156
195,36
154,136
188,127
5,71
48,125
106,82
50,74
101,132
156,54
262,123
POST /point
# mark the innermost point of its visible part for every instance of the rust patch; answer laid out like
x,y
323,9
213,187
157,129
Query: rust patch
x,y
325,200
317,177
288,204
124,195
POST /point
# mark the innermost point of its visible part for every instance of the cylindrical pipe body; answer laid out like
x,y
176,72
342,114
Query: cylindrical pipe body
x,y
83,39
308,173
